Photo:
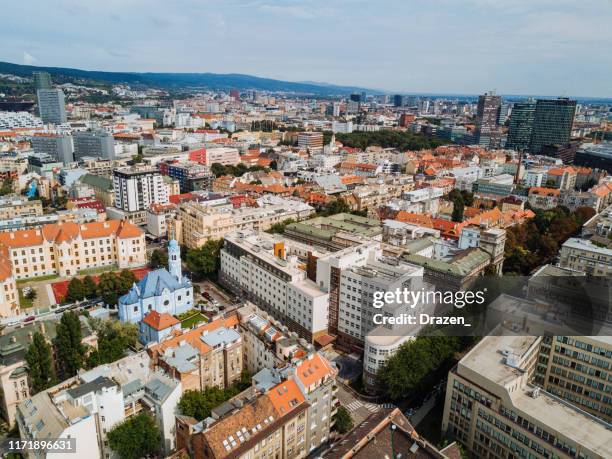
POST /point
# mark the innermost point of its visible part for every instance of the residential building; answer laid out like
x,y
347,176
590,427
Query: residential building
x,y
552,123
222,155
157,219
266,270
191,176
493,409
14,343
89,405
96,143
543,198
12,206
312,141
137,188
51,106
163,290
584,256
563,178
209,355
66,248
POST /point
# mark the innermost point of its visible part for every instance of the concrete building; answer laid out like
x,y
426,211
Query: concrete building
x,y
136,188
312,141
584,256
493,409
89,405
488,131
12,206
552,123
222,155
94,144
273,273
520,127
58,146
51,106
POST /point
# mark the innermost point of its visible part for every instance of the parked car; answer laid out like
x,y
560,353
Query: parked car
x,y
29,319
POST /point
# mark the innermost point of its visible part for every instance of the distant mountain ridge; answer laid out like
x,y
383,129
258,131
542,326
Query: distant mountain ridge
x,y
214,81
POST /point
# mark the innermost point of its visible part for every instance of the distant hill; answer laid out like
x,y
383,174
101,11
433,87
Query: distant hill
x,y
214,81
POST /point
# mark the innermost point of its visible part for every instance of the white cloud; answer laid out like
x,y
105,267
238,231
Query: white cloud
x,y
28,59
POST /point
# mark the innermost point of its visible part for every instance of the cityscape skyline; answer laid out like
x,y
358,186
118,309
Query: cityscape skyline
x,y
515,48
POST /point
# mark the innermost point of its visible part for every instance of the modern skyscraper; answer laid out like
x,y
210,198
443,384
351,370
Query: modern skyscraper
x,y
520,128
398,100
553,123
51,106
42,80
488,132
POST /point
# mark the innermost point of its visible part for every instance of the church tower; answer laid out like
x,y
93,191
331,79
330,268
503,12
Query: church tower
x,y
174,260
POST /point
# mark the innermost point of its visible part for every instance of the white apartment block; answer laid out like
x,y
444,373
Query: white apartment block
x,y
272,273
137,188
222,155
11,120
584,256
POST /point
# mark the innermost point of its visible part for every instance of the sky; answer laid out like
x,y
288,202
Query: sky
x,y
529,47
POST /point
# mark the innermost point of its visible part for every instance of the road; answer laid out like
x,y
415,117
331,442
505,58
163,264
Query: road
x,y
358,409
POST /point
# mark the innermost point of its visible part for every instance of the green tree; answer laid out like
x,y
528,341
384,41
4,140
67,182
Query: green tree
x,y
218,169
204,261
76,290
40,364
458,209
114,339
108,288
89,287
135,437
69,345
343,420
159,259
279,228
7,187
126,279
31,295
339,206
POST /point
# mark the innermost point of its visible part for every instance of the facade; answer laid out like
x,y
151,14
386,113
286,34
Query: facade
x,y
552,123
58,146
66,248
222,155
163,290
94,144
51,106
584,256
137,188
272,273
156,327
488,131
12,206
209,355
157,219
494,410
191,176
520,127
89,405
310,140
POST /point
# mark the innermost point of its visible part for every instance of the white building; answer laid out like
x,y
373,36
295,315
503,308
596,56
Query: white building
x,y
222,155
137,188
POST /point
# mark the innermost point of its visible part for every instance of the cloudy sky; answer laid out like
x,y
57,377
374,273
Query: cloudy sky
x,y
543,47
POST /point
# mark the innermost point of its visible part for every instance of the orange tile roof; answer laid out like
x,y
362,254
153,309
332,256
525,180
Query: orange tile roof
x,y
561,170
409,217
160,321
285,396
314,369
541,191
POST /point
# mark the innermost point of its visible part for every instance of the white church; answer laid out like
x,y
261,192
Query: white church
x,y
162,290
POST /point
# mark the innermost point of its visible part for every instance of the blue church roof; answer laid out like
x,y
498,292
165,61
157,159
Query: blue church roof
x,y
152,285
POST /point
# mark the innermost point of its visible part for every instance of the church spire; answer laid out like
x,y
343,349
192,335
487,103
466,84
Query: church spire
x,y
174,260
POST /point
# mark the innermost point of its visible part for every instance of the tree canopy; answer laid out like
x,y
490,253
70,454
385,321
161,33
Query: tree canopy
x,y
111,286
68,341
40,363
114,339
402,140
159,259
204,261
343,420
135,437
237,171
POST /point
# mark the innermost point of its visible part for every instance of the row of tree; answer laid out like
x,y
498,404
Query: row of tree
x,y
237,171
110,287
537,242
114,338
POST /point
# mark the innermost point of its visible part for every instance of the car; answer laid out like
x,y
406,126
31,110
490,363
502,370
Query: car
x,y
206,295
29,319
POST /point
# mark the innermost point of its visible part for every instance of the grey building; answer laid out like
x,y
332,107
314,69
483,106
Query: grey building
x,y
520,128
42,80
51,106
488,132
58,146
94,144
553,123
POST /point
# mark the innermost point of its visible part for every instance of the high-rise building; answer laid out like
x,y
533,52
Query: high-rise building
x,y
137,188
51,106
42,80
488,132
94,144
398,100
552,123
58,146
520,128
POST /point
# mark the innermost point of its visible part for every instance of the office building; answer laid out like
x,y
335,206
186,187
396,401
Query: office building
x,y
488,131
553,123
94,144
494,410
190,175
520,127
276,275
222,155
51,106
398,100
58,146
584,256
42,80
136,188
310,140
